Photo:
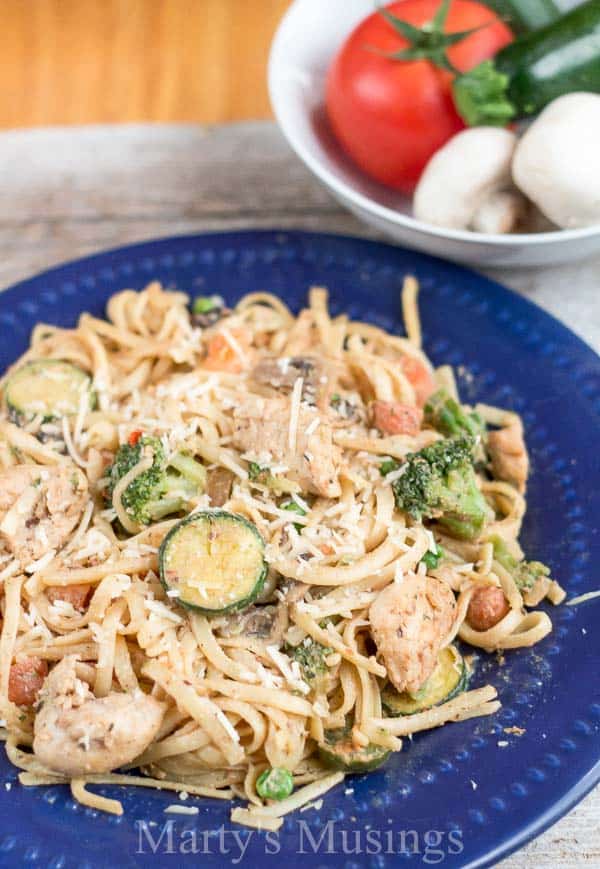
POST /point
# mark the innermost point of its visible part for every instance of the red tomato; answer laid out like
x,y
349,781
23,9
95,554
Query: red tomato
x,y
77,595
419,377
393,417
25,679
134,437
390,115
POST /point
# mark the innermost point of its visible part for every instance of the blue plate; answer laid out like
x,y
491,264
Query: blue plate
x,y
468,793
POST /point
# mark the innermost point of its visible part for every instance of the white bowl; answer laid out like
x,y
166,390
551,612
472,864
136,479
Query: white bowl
x,y
307,38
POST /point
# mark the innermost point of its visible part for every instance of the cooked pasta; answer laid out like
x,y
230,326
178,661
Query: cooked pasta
x,y
238,548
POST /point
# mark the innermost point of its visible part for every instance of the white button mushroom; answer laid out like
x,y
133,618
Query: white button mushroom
x,y
557,162
467,184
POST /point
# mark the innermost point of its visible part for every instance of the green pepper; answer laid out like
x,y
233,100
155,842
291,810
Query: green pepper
x,y
432,559
388,466
275,784
260,474
294,507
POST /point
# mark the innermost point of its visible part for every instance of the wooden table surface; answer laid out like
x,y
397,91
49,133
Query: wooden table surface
x,y
95,61
68,192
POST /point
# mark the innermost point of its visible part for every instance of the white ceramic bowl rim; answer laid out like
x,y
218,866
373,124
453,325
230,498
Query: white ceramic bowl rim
x,y
365,202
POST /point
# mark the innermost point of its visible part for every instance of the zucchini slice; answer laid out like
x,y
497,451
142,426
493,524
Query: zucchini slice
x,y
215,561
50,387
338,752
449,678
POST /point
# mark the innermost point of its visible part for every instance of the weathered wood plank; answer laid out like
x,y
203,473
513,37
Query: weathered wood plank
x,y
68,192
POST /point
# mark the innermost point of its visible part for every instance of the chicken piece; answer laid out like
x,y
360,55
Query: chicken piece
x,y
263,424
487,607
281,374
76,733
77,595
39,507
508,454
392,417
409,622
25,679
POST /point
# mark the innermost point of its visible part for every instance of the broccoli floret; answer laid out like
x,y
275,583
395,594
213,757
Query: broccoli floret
x,y
311,657
450,418
165,488
439,483
262,475
524,573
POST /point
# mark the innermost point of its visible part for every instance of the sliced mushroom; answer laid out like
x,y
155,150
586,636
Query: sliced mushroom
x,y
219,483
283,372
265,623
467,184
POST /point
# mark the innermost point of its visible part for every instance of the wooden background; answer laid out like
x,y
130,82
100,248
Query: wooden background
x,y
95,61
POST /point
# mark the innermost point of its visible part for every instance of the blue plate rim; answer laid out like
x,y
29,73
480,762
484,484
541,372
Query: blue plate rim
x,y
276,233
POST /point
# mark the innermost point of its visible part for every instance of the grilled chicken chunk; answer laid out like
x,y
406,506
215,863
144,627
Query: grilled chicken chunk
x,y
76,733
39,507
264,424
409,622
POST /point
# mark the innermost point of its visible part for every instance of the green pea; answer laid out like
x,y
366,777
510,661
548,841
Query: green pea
x,y
275,784
203,304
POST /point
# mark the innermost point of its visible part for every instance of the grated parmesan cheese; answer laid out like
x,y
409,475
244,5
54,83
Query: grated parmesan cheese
x,y
41,563
63,608
227,725
235,346
285,665
317,804
395,475
312,426
174,809
296,398
589,595
160,609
